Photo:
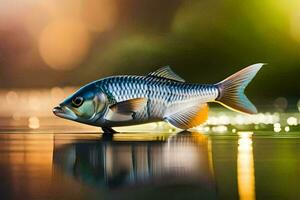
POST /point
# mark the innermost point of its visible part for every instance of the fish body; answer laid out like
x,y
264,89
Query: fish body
x,y
161,95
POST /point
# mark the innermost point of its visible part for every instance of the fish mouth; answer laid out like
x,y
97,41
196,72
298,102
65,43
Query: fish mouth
x,y
64,112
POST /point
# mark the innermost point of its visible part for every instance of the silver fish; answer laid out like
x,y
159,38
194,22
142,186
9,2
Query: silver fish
x,y
160,95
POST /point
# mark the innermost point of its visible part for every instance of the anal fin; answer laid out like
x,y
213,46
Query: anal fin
x,y
189,117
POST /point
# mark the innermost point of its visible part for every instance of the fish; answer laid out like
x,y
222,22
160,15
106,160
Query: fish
x,y
161,95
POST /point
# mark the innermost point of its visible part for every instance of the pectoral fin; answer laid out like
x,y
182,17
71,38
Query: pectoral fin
x,y
129,106
123,111
189,117
118,117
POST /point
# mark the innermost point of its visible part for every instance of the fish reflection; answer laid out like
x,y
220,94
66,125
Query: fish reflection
x,y
182,159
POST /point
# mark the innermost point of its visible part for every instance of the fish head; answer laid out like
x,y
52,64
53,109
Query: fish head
x,y
83,106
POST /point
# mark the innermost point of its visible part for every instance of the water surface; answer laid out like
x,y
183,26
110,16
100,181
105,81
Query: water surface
x,y
55,162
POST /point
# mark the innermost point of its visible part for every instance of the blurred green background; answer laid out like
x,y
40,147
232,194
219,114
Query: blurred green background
x,y
72,42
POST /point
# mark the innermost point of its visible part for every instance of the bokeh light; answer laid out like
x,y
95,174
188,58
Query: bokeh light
x,y
33,123
64,44
287,129
292,121
281,104
277,127
36,18
12,97
99,15
220,129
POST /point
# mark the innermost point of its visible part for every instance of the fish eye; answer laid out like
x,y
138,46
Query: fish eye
x,y
77,102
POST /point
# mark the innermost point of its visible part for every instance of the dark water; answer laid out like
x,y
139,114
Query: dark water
x,y
66,165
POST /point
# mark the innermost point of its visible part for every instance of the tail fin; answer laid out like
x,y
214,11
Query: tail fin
x,y
231,90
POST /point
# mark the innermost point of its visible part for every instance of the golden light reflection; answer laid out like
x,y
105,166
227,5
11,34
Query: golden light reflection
x,y
63,44
245,167
30,158
210,157
141,137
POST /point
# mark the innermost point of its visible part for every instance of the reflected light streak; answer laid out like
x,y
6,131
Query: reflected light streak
x,y
245,167
140,137
210,157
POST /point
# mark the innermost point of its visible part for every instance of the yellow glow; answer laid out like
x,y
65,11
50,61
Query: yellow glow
x,y
245,167
64,43
295,19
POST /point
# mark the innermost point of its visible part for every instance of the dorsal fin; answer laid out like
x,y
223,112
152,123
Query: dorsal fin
x,y
188,117
166,72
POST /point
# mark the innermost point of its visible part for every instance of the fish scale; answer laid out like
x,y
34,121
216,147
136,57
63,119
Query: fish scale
x,y
159,92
